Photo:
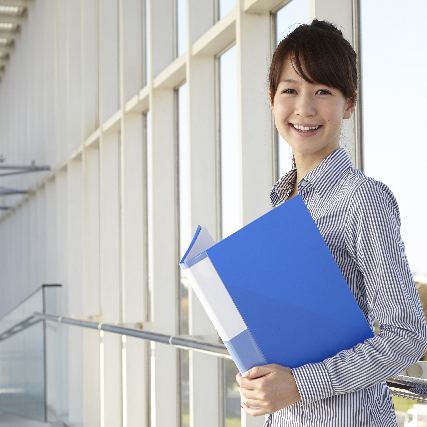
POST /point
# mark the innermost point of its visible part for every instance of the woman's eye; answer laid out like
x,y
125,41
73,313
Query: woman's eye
x,y
288,91
323,92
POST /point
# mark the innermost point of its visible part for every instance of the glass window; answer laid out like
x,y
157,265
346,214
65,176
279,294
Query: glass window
x,y
184,238
230,197
229,143
181,18
287,19
394,61
225,6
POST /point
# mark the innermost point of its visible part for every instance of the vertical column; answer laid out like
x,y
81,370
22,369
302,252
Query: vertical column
x,y
40,154
204,401
75,291
110,262
131,49
32,246
162,34
134,276
342,17
49,81
133,218
164,249
74,75
255,124
110,277
61,233
91,286
50,221
90,67
40,246
109,57
61,80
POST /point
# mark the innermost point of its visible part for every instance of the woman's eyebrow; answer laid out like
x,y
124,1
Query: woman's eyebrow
x,y
288,81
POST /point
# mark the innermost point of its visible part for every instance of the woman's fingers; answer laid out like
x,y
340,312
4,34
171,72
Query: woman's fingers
x,y
255,412
253,402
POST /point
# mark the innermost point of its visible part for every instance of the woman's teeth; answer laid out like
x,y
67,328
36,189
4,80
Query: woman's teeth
x,y
306,128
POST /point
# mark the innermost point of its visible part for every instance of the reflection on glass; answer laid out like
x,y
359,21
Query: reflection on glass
x,y
147,41
181,26
27,383
184,239
230,181
394,149
230,196
287,19
225,6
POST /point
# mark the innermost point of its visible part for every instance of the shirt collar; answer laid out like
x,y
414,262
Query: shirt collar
x,y
322,177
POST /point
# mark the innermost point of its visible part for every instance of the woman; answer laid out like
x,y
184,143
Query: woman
x,y
313,88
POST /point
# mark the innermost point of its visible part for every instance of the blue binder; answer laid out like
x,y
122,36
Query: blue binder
x,y
274,292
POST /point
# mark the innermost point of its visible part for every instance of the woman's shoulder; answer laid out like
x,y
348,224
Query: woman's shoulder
x,y
370,194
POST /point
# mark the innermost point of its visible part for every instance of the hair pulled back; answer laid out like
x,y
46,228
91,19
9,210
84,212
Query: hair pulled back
x,y
320,54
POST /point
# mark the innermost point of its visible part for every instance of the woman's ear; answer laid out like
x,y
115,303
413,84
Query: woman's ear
x,y
270,100
349,109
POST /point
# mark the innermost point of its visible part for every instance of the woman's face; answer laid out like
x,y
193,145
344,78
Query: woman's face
x,y
309,116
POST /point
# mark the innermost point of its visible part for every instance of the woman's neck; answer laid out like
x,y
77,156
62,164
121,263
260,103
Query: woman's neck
x,y
307,162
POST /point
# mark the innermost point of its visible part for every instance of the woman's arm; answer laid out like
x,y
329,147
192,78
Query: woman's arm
x,y
374,243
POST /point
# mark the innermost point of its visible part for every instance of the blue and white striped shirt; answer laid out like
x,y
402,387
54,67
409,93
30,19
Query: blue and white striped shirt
x,y
359,219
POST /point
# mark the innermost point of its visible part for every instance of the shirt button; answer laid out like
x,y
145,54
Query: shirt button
x,y
303,184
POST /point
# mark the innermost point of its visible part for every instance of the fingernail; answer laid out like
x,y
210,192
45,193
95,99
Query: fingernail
x,y
245,374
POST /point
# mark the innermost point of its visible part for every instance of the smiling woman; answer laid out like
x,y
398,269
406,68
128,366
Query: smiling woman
x,y
313,83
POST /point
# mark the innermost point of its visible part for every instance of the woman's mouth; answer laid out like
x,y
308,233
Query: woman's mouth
x,y
305,130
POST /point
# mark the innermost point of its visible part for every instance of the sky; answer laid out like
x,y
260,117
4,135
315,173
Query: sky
x,y
394,68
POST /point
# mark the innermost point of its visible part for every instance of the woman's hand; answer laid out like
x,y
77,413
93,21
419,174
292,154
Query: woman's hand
x,y
267,389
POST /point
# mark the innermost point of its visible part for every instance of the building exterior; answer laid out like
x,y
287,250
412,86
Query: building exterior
x,y
153,116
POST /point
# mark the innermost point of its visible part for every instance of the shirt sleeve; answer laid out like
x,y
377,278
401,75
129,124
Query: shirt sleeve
x,y
373,241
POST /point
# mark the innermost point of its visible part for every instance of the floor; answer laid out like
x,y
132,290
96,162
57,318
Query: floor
x,y
8,420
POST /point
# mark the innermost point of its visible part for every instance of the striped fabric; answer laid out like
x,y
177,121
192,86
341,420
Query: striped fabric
x,y
359,220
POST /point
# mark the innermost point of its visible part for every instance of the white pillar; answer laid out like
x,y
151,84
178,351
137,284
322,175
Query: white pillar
x,y
342,17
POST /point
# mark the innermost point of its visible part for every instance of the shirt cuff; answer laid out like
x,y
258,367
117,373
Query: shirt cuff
x,y
313,382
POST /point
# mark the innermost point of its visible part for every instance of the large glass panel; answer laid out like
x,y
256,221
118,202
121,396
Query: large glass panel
x,y
22,387
230,196
181,26
230,181
225,6
26,350
184,238
394,63
287,19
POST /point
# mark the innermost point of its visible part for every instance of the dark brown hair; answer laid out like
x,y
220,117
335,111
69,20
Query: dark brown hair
x,y
320,54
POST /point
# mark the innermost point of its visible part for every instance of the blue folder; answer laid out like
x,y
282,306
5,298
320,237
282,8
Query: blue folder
x,y
274,291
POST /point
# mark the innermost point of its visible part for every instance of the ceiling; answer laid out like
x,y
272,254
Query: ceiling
x,y
12,14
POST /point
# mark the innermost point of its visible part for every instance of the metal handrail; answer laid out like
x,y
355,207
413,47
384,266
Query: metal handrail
x,y
179,341
401,385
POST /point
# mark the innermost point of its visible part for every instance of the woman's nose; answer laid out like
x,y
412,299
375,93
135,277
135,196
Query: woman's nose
x,y
305,105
